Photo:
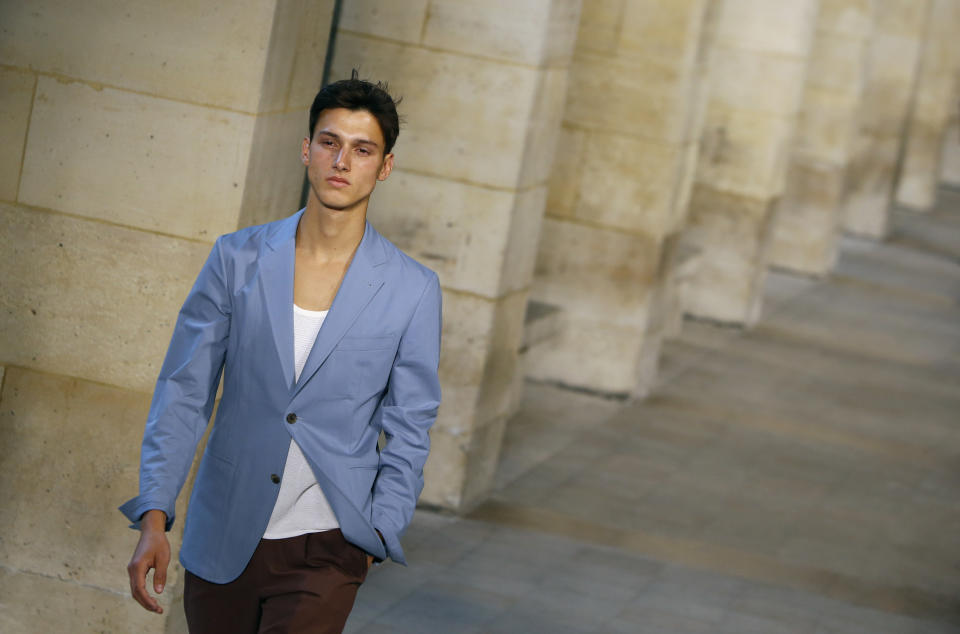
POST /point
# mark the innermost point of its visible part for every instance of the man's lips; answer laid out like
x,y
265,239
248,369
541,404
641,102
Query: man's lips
x,y
336,181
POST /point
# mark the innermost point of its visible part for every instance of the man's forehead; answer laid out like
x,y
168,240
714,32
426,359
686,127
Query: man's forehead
x,y
355,125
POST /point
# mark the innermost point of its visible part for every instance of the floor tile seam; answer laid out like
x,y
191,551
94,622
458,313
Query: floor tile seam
x,y
841,587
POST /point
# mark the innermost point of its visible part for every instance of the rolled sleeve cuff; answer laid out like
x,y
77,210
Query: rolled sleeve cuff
x,y
392,544
134,509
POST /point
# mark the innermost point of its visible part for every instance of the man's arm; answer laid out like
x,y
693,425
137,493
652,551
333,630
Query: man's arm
x,y
182,403
407,412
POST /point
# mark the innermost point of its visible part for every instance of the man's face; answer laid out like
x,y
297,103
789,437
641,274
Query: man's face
x,y
345,158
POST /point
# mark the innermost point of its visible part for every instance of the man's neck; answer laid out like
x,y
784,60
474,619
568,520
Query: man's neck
x,y
330,235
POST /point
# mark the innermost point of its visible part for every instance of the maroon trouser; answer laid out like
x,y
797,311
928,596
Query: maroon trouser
x,y
299,584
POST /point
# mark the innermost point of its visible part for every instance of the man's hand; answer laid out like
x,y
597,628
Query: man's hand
x,y
153,551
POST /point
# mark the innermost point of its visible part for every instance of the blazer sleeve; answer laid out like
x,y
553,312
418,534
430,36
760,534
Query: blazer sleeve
x,y
407,411
184,395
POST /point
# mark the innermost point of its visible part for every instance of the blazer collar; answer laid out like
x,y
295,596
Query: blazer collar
x,y
361,282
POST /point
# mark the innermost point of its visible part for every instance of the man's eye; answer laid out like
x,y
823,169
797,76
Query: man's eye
x,y
363,151
327,143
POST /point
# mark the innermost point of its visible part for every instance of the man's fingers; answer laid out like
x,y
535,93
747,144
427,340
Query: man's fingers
x,y
160,571
137,571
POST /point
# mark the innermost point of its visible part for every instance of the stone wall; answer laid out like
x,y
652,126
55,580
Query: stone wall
x,y
132,135
758,66
482,84
619,191
933,104
807,225
893,63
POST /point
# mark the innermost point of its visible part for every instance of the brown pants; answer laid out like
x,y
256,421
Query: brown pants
x,y
300,584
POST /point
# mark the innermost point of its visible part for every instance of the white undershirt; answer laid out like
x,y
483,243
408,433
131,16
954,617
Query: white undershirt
x,y
301,506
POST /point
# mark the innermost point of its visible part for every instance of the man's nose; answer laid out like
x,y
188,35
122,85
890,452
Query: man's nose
x,y
342,160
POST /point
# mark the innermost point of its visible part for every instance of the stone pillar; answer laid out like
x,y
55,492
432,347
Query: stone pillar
x,y
482,85
807,224
619,190
131,137
893,60
933,105
950,154
759,61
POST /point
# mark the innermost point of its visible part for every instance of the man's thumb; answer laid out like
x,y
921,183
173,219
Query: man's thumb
x,y
160,573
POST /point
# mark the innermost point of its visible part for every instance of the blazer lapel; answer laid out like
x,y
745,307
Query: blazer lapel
x,y
360,283
276,286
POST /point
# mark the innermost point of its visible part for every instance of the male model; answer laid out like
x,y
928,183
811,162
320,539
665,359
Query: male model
x,y
326,336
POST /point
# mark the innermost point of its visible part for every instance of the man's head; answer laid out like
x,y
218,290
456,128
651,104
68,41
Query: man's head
x,y
358,94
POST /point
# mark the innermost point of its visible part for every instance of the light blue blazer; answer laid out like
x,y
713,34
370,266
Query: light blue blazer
x,y
372,368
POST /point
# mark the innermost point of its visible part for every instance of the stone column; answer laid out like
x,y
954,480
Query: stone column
x,y
619,190
933,105
808,215
759,61
482,85
950,154
132,136
893,61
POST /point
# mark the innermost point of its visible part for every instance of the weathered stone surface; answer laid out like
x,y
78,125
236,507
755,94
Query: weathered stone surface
x,y
87,299
16,97
35,603
733,230
202,53
932,107
136,160
463,127
274,177
403,21
870,180
784,28
950,157
537,33
807,219
602,280
71,457
765,83
477,239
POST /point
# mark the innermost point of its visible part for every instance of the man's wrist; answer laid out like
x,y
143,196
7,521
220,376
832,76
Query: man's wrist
x,y
153,520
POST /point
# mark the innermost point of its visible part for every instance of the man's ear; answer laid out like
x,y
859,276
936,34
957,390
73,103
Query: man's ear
x,y
305,151
386,168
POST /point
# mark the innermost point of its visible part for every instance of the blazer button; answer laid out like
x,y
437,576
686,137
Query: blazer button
x,y
274,478
291,418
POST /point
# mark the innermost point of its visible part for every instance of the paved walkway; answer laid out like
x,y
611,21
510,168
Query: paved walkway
x,y
800,477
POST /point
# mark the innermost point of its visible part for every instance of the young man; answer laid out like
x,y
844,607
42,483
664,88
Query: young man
x,y
292,500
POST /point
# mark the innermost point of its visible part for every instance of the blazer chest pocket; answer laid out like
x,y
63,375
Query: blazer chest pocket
x,y
360,366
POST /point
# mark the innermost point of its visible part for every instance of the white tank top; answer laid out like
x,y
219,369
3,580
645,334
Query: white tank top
x,y
301,505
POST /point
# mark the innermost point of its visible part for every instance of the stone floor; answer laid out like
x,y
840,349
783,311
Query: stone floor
x,y
803,476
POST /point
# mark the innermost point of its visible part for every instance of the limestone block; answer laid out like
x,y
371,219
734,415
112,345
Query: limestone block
x,y
71,457
640,97
205,53
84,298
772,27
853,18
443,475
807,218
136,160
871,174
16,97
733,231
563,194
482,459
745,151
600,26
477,239
35,603
766,83
459,125
622,182
892,61
917,185
950,155
902,17
602,280
543,127
837,64
297,49
827,128
403,21
275,174
662,29
532,32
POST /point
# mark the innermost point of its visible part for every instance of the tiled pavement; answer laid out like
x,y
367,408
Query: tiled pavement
x,y
803,476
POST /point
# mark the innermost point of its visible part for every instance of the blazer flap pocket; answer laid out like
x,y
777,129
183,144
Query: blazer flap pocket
x,y
367,343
